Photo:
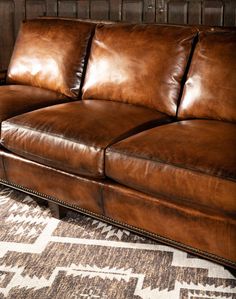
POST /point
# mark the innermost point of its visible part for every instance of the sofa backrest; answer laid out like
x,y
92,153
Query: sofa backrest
x,y
139,64
50,53
210,89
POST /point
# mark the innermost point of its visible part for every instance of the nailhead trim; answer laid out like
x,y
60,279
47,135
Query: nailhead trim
x,y
122,224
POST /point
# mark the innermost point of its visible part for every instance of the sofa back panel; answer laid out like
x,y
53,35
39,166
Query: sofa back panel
x,y
139,64
51,54
210,89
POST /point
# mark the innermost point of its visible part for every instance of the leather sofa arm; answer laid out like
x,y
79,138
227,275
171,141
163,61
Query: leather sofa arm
x,y
3,76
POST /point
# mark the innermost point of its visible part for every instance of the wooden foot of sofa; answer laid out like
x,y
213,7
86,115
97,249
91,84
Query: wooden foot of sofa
x,y
40,201
57,211
232,271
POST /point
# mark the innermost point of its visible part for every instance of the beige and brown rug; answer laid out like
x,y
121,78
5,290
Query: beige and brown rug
x,y
78,257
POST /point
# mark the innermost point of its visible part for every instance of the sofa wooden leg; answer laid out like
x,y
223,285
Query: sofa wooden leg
x,y
40,201
57,211
232,271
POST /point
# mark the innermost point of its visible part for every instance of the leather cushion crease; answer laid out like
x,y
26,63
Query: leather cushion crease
x,y
192,160
210,89
18,99
73,136
51,54
148,63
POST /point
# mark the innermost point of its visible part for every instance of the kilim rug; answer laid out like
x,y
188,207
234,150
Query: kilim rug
x,y
79,257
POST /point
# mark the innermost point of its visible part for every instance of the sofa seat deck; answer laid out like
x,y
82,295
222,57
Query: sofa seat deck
x,y
73,136
18,99
192,160
171,160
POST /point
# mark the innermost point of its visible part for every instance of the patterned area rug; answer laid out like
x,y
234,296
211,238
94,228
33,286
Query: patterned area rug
x,y
78,257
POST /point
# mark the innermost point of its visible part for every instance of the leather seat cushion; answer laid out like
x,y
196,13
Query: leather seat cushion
x,y
192,160
73,136
139,64
210,89
18,99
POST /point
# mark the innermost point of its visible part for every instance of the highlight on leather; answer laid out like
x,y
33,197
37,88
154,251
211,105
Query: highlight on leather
x,y
139,64
50,53
18,99
73,136
210,90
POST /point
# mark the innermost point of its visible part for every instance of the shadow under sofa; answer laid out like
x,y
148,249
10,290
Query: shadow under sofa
x,y
127,123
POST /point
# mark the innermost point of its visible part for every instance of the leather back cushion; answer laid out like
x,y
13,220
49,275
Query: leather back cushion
x,y
50,53
138,64
210,90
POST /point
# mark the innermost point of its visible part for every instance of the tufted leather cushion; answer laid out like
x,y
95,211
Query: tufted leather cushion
x,y
210,90
50,53
138,64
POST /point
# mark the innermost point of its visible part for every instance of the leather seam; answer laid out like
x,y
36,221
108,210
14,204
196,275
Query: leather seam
x,y
117,139
133,186
179,200
71,171
122,224
138,129
49,134
4,168
171,165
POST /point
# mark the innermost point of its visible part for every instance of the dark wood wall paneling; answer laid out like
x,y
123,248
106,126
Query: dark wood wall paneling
x,y
208,12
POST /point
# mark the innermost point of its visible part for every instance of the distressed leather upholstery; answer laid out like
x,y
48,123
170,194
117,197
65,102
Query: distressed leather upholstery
x,y
73,136
49,181
51,54
192,161
210,90
18,99
148,64
195,226
151,144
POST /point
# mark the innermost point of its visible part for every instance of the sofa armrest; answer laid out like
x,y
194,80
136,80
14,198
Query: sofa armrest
x,y
3,76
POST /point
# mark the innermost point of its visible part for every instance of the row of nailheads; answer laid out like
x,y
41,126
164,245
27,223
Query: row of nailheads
x,y
123,225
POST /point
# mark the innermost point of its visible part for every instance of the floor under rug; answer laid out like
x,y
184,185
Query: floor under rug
x,y
78,257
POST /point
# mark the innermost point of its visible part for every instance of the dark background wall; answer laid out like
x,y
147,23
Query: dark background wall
x,y
208,12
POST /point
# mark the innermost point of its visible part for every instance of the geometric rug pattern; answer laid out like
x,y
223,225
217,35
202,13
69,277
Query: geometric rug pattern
x,y
78,257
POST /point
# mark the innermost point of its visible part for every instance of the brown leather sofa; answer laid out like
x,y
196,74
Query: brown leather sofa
x,y
131,124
